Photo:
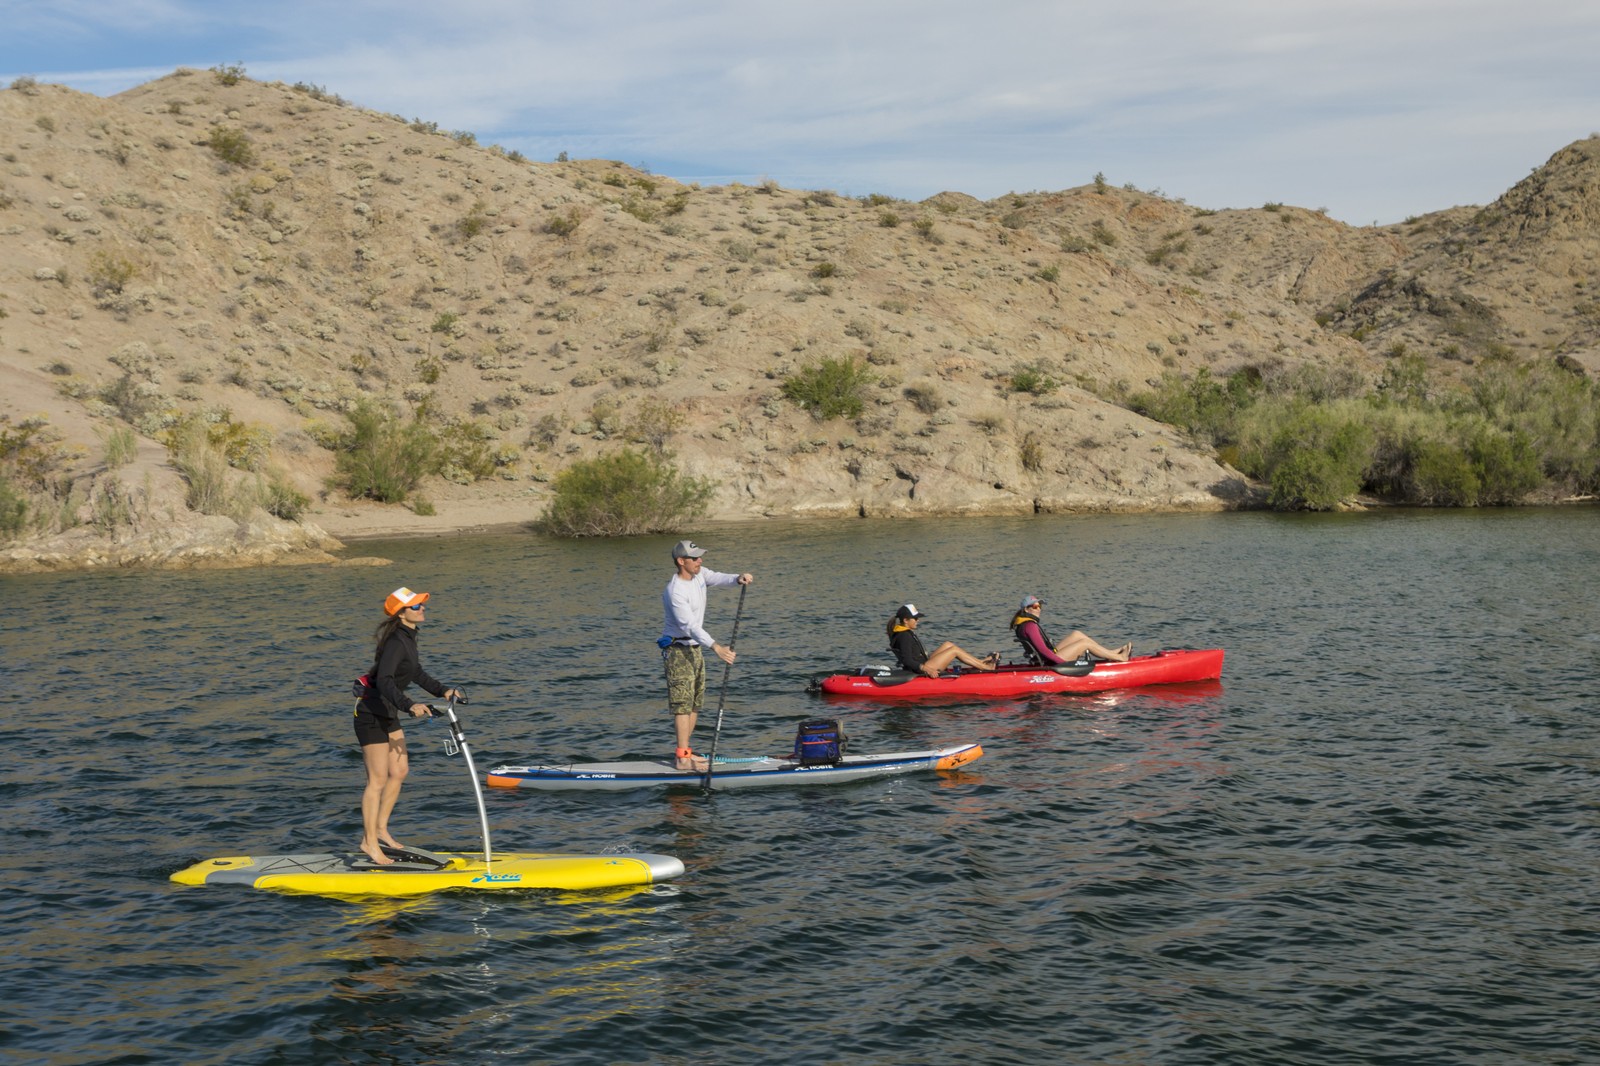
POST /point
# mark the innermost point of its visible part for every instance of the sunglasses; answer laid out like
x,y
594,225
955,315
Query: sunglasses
x,y
416,607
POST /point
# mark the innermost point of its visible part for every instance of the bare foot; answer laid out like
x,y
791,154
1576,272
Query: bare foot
x,y
688,760
390,842
376,854
992,662
1125,652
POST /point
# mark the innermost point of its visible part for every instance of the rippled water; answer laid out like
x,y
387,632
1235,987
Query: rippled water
x,y
1374,841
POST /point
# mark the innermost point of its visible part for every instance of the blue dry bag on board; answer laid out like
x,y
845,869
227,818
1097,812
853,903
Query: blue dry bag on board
x,y
819,742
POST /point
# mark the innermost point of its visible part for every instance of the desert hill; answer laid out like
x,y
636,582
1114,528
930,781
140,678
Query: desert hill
x,y
270,255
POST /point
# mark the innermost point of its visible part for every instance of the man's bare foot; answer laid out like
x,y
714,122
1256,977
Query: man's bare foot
x,y
375,853
688,760
1125,653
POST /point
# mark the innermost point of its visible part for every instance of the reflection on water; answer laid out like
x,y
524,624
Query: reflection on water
x,y
1328,856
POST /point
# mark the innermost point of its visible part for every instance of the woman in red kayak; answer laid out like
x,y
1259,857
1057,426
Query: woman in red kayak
x,y
1025,626
907,647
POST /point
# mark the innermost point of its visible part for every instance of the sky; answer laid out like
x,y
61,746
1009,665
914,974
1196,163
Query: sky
x,y
1373,110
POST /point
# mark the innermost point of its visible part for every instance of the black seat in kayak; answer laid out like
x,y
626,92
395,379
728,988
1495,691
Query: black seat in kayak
x,y
1083,665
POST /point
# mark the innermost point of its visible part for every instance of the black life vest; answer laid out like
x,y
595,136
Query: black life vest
x,y
1028,650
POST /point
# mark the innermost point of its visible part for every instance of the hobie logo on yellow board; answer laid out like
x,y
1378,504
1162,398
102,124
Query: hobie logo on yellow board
x,y
497,879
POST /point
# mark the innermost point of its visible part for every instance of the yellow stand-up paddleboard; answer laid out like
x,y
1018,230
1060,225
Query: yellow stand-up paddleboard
x,y
415,871
356,875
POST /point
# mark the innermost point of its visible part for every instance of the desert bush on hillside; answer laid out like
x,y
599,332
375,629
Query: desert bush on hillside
x,y
205,471
925,398
231,146
563,224
654,424
626,493
110,272
1030,452
232,74
465,454
474,222
13,511
382,458
830,388
1033,379
121,446
32,477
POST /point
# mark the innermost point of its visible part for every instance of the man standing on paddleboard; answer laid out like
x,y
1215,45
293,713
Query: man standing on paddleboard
x,y
682,637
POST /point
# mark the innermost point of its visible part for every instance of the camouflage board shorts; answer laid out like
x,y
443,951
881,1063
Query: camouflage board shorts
x,y
686,679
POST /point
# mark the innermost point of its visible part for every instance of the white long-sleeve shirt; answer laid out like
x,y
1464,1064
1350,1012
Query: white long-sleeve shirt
x,y
684,603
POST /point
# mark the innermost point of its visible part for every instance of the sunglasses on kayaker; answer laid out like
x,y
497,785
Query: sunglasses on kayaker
x,y
416,607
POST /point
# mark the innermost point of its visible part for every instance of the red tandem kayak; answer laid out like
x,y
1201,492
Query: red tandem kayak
x,y
1011,679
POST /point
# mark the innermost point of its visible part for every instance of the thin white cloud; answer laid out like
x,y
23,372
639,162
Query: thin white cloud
x,y
1373,108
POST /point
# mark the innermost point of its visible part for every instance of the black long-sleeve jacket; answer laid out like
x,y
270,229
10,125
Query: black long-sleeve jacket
x,y
397,667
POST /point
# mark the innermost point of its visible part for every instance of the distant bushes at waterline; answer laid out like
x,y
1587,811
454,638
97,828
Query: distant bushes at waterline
x,y
205,453
1511,433
622,494
382,458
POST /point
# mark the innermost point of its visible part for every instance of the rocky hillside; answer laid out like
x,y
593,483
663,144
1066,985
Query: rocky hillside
x,y
269,255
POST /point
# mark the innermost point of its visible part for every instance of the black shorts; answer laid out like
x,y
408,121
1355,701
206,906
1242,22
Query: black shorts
x,y
372,729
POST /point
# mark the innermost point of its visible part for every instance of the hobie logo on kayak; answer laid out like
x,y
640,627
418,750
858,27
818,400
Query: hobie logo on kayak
x,y
497,879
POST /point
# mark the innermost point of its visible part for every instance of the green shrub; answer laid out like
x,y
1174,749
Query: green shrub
x,y
281,499
232,74
1317,458
464,454
474,222
1506,465
205,470
654,424
626,493
109,272
13,510
1441,475
1032,379
830,388
231,146
564,224
1202,406
121,446
382,458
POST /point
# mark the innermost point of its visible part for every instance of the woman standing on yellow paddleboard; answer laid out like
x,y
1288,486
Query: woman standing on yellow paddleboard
x,y
396,665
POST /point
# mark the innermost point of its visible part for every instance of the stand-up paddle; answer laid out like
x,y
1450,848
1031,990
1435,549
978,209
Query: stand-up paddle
x,y
456,742
722,700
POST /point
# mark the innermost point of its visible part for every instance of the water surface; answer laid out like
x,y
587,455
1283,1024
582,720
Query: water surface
x,y
1374,841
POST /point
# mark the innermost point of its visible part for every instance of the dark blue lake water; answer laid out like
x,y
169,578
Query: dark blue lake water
x,y
1375,840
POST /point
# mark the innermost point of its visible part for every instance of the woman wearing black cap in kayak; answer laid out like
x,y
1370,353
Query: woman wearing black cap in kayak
x,y
907,647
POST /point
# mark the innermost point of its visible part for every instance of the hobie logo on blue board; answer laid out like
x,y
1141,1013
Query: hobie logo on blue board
x,y
497,879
